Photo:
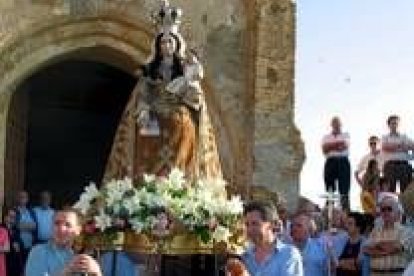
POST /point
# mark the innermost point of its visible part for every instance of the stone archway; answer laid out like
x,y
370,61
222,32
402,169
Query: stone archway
x,y
117,42
69,111
45,45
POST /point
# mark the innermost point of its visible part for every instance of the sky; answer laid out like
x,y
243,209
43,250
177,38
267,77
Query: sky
x,y
354,59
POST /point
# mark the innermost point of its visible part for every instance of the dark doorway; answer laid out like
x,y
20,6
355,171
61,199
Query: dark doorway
x,y
73,111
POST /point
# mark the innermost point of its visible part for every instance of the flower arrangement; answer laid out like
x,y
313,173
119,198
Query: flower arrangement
x,y
161,205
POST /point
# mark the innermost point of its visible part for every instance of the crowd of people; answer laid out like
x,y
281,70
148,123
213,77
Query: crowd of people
x,y
335,240
384,168
309,241
38,241
303,244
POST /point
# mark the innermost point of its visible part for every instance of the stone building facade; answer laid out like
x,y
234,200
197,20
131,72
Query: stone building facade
x,y
246,46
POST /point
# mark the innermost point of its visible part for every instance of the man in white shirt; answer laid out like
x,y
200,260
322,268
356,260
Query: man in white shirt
x,y
374,153
335,147
395,149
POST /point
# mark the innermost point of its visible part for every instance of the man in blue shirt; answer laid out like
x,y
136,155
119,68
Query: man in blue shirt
x,y
44,217
56,256
314,252
267,255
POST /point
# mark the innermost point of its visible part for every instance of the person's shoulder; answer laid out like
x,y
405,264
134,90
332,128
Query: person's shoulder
x,y
41,247
327,136
404,230
318,241
38,253
385,137
247,252
288,249
30,209
366,157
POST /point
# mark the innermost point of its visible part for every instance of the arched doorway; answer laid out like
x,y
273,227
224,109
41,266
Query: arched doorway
x,y
61,124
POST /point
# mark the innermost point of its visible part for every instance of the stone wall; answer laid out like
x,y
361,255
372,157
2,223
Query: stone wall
x,y
278,150
246,46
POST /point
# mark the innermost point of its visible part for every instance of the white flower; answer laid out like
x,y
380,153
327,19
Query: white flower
x,y
216,186
132,204
115,193
117,188
176,179
86,198
155,200
91,191
83,204
103,221
136,224
221,234
193,204
235,205
149,178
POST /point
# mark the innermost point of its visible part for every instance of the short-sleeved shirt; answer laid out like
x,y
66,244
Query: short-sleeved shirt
x,y
26,236
44,217
315,258
47,259
340,137
363,163
285,260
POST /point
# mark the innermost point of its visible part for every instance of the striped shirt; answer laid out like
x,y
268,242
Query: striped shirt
x,y
397,233
394,140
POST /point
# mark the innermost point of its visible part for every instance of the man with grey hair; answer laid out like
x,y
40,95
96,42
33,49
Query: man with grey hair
x,y
388,242
268,255
315,254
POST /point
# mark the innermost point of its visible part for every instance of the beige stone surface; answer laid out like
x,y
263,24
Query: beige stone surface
x,y
247,47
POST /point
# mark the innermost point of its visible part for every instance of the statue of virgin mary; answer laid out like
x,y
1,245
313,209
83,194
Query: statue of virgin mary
x,y
165,124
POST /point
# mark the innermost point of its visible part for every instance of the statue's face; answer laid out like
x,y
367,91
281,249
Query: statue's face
x,y
167,45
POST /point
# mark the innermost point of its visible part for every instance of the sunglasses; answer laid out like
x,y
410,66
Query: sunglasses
x,y
386,209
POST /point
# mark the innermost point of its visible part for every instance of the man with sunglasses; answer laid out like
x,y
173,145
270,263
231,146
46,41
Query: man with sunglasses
x,y
388,241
